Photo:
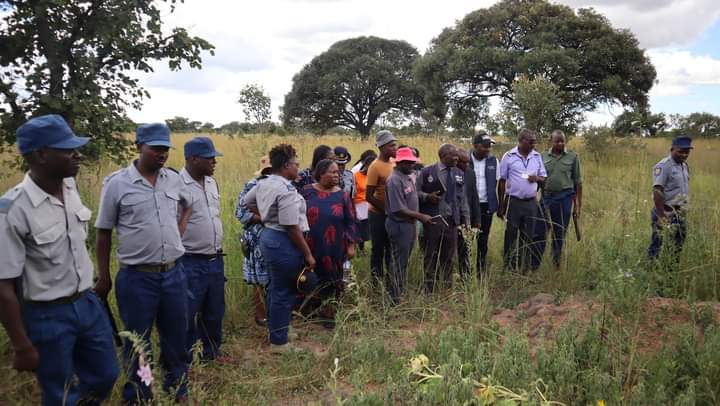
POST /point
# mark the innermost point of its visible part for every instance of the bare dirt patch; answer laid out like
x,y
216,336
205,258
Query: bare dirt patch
x,y
542,316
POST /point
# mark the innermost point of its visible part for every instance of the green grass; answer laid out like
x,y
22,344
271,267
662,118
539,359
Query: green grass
x,y
373,342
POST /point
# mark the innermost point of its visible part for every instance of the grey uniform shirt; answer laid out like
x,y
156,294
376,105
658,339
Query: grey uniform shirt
x,y
42,241
674,179
279,204
400,194
145,216
204,231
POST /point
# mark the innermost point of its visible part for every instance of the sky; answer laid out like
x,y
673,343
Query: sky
x,y
267,42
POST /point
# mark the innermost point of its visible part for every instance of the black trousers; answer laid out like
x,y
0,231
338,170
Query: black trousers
x,y
521,216
380,254
439,250
464,247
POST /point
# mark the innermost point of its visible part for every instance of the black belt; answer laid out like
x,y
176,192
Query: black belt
x,y
61,300
523,200
209,257
553,193
152,268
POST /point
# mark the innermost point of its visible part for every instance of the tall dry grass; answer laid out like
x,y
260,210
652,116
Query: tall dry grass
x,y
609,262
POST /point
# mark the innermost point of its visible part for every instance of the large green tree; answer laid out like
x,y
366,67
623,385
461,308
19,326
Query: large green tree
x,y
352,84
75,58
580,53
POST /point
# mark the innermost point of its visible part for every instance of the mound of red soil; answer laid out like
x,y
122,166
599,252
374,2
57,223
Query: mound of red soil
x,y
660,318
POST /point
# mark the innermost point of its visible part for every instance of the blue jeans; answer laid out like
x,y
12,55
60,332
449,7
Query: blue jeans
x,y
559,208
73,339
206,304
147,298
677,232
284,261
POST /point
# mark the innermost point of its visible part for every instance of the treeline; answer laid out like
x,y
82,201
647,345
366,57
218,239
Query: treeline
x,y
544,64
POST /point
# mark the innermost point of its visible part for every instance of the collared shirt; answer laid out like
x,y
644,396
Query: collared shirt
x,y
400,194
674,179
43,241
514,168
563,171
279,203
347,183
204,231
146,217
480,183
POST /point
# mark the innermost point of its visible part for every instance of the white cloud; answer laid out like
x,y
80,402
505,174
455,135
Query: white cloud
x,y
678,70
660,23
268,42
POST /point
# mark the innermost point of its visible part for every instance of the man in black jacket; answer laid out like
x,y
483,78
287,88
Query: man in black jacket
x,y
441,191
480,186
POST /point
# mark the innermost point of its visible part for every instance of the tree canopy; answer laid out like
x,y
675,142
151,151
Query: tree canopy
x,y
580,53
352,84
75,58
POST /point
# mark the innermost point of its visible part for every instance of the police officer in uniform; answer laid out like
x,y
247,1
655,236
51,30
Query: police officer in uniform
x,y
56,324
143,201
203,259
283,213
671,189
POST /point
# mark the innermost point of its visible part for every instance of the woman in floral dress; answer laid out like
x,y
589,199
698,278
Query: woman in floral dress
x,y
332,235
254,271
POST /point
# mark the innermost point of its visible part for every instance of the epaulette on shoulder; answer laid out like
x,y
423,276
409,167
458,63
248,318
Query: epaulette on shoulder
x,y
112,175
172,169
9,198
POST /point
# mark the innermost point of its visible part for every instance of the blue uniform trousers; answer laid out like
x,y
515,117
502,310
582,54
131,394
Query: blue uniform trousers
x,y
206,304
559,207
285,262
73,339
677,231
147,298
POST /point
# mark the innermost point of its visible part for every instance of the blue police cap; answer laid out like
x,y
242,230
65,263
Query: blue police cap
x,y
202,147
682,142
155,134
342,155
47,131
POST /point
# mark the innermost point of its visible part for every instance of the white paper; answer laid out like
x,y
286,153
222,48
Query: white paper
x,y
361,210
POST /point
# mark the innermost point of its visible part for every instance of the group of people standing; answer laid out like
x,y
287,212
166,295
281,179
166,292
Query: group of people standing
x,y
301,229
169,253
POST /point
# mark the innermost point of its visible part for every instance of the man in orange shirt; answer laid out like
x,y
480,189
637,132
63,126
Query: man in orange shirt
x,y
377,175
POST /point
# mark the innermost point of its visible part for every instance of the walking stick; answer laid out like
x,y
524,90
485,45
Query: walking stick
x,y
576,224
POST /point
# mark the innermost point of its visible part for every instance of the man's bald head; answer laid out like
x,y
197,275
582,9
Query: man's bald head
x,y
448,154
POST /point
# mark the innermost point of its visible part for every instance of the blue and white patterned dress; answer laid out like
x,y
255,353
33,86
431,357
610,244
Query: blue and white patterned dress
x,y
254,270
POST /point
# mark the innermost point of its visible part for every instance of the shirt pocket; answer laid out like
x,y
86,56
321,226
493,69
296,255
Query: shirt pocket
x,y
214,202
83,218
137,208
171,201
50,241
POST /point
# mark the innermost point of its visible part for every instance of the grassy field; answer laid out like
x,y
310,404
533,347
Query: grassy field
x,y
631,333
